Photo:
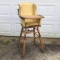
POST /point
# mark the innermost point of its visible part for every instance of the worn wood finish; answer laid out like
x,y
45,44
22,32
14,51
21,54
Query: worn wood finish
x,y
34,33
24,44
40,39
23,30
20,37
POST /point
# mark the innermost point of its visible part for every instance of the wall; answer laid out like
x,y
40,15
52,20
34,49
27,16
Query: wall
x,y
10,22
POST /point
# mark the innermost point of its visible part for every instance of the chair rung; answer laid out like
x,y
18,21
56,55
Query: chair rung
x,y
29,31
37,35
36,32
36,28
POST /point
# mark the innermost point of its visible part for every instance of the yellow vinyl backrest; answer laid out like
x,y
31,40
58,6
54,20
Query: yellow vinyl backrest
x,y
28,9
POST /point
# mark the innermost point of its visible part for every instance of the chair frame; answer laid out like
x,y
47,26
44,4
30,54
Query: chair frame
x,y
23,30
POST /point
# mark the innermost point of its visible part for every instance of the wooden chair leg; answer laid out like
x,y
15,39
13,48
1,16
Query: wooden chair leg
x,y
34,33
24,44
40,40
20,37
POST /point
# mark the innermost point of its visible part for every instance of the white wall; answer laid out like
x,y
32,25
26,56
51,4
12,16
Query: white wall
x,y
10,22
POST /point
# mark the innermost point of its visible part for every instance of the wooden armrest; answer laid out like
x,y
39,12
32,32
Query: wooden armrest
x,y
32,17
41,16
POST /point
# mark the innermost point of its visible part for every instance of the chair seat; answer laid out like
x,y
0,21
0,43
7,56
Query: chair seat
x,y
29,24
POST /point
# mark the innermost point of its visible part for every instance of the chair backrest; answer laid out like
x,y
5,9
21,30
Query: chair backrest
x,y
27,9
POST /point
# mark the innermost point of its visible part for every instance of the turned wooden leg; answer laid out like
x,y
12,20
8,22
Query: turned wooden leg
x,y
34,33
20,37
40,40
24,44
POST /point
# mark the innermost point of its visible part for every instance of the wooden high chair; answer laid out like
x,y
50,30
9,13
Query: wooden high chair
x,y
27,12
